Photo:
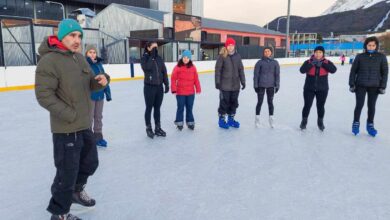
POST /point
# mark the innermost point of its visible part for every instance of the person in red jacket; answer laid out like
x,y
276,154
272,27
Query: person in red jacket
x,y
184,84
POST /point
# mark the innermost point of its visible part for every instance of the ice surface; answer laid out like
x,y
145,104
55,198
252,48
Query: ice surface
x,y
249,173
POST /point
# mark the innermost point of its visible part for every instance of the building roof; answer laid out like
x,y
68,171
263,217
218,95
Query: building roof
x,y
146,12
206,22
236,26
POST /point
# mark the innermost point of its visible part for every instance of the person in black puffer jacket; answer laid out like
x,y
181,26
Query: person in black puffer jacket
x,y
155,77
317,69
368,76
229,77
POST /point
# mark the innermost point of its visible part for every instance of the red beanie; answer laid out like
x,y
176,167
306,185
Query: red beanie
x,y
230,41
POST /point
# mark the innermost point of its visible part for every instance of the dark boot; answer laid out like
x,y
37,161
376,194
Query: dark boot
x,y
81,197
320,123
303,124
65,217
149,132
159,132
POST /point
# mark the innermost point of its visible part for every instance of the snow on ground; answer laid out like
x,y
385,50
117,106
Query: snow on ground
x,y
210,173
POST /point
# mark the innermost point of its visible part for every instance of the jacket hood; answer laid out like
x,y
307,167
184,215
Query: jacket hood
x,y
51,44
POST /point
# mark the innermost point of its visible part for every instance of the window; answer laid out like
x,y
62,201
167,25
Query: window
x,y
48,11
237,38
269,42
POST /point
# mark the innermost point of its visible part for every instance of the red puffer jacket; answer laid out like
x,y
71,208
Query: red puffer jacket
x,y
185,80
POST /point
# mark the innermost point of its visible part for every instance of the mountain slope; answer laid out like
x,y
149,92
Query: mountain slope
x,y
350,5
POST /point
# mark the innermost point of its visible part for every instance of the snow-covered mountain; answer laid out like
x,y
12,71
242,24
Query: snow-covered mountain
x,y
350,5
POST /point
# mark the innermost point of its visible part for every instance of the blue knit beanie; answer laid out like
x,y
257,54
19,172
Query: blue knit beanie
x,y
186,53
68,26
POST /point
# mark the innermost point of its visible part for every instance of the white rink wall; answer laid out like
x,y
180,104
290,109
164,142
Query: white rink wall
x,y
24,76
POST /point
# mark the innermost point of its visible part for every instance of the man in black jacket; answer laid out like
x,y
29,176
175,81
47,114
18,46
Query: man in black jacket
x,y
368,76
229,76
317,69
155,77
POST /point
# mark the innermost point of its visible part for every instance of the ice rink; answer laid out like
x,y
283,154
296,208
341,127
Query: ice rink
x,y
209,173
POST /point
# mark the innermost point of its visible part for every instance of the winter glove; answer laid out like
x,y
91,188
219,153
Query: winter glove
x,y
352,89
314,62
319,64
218,86
243,86
174,92
257,90
108,99
276,90
166,89
381,91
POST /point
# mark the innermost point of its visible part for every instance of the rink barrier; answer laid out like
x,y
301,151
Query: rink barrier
x,y
23,77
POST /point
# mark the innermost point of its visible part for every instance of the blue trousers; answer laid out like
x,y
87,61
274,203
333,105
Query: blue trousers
x,y
186,102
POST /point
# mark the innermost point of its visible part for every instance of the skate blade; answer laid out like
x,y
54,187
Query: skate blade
x,y
78,209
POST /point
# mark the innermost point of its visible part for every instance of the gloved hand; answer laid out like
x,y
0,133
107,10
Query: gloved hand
x,y
319,64
381,91
174,92
314,62
108,99
257,90
166,89
352,89
243,86
276,90
218,86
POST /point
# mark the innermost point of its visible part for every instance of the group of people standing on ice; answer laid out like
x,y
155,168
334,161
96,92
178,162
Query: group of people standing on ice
x,y
368,76
72,87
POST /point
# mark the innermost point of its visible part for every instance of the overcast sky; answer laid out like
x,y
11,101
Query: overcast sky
x,y
262,11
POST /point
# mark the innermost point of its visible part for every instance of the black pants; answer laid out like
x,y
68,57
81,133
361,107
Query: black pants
x,y
309,96
154,96
228,102
372,93
76,158
270,100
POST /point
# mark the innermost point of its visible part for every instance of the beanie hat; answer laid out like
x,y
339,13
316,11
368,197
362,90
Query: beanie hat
x,y
186,53
230,41
321,48
68,26
90,47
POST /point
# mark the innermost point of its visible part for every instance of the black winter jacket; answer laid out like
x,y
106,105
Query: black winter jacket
x,y
369,70
317,77
155,70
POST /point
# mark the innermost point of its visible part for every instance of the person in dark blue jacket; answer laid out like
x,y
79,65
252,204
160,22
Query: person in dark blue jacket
x,y
97,97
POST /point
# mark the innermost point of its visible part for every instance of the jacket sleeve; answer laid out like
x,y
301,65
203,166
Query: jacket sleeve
x,y
94,84
197,82
256,74
46,84
241,71
107,92
306,66
384,72
174,79
147,63
165,74
354,71
329,66
218,70
277,75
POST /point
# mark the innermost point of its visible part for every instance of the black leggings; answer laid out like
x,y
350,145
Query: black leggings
x,y
309,96
153,99
372,93
270,100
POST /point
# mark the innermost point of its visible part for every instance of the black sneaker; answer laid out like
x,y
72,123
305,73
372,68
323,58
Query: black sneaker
x,y
303,124
149,132
159,132
320,124
65,217
81,197
180,127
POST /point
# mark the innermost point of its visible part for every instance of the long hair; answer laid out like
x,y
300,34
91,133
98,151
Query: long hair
x,y
180,63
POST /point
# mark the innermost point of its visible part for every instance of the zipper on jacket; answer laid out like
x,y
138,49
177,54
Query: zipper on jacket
x,y
158,72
